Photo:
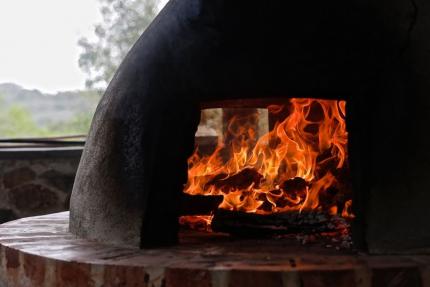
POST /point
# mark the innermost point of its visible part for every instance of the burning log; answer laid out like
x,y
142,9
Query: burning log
x,y
295,185
300,164
241,180
199,204
251,224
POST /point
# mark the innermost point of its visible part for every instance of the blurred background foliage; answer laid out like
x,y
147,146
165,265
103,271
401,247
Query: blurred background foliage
x,y
31,113
122,24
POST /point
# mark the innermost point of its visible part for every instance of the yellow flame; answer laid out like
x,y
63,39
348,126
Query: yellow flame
x,y
309,144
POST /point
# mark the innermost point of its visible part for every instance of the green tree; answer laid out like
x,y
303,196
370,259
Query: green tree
x,y
79,124
123,21
16,121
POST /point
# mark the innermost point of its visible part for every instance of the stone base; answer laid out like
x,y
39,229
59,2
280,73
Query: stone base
x,y
39,251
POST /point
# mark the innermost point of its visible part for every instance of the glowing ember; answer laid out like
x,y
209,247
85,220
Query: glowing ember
x,y
295,167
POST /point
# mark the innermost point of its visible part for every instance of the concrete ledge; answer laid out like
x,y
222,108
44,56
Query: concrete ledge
x,y
40,152
39,251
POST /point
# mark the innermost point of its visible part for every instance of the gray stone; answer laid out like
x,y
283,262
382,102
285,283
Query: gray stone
x,y
34,199
7,215
18,176
59,180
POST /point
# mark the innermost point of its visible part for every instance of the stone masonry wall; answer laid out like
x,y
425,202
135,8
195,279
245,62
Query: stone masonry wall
x,y
35,185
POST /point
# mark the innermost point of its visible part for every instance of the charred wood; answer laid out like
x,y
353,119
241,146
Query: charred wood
x,y
250,224
199,204
241,180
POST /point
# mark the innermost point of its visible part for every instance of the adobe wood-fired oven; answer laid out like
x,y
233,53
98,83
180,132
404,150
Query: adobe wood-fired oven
x,y
372,55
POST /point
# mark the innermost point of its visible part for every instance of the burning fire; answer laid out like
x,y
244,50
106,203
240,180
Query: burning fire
x,y
297,166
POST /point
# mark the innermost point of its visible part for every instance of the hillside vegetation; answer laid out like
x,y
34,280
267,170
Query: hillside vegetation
x,y
30,113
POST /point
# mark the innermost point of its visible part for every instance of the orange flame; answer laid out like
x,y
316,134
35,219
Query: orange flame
x,y
289,169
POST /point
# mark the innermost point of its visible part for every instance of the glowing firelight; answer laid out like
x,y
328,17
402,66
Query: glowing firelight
x,y
295,167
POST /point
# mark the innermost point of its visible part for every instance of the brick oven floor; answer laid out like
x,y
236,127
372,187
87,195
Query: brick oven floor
x,y
39,251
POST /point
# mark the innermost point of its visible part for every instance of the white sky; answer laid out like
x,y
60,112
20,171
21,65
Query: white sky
x,y
38,42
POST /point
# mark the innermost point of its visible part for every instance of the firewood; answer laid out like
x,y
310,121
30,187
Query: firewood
x,y
251,224
294,185
241,180
199,204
